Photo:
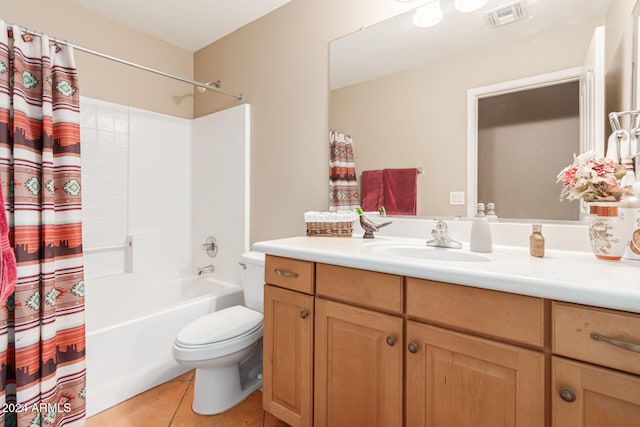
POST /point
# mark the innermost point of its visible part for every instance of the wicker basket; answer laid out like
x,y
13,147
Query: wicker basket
x,y
330,229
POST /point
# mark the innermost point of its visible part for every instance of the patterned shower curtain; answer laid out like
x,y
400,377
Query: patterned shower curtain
x,y
343,185
42,334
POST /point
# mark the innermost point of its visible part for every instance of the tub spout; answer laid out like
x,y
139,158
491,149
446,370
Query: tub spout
x,y
206,269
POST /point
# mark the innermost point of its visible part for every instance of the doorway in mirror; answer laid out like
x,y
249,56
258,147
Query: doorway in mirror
x,y
524,139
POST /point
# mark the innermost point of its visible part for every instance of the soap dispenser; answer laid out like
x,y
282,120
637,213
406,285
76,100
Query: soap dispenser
x,y
480,213
480,232
491,212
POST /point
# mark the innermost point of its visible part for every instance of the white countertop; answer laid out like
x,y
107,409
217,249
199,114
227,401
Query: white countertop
x,y
561,275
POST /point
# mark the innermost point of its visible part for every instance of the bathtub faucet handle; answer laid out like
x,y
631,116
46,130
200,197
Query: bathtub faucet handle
x,y
210,246
206,269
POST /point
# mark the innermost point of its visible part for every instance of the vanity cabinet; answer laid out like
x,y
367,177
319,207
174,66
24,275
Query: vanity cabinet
x,y
349,347
287,372
584,394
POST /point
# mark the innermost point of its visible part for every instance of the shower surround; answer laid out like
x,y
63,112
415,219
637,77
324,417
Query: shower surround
x,y
155,187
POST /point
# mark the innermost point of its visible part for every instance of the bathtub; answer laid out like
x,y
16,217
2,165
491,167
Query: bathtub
x,y
131,329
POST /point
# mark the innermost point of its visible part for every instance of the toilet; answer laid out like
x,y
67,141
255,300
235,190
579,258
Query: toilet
x,y
225,347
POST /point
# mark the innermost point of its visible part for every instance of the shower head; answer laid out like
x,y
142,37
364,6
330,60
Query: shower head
x,y
217,84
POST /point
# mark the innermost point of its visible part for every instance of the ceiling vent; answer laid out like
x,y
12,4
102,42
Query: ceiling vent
x,y
506,14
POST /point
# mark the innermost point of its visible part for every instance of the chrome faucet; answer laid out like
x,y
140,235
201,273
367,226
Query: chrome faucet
x,y
441,237
206,269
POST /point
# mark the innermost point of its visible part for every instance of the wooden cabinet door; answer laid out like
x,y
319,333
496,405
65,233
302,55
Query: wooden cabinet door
x,y
588,396
358,367
287,374
453,379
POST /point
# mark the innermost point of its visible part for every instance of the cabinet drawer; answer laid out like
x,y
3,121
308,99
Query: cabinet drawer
x,y
289,273
366,288
516,318
573,326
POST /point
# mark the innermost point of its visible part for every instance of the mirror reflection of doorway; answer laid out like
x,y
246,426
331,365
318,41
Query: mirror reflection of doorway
x,y
524,139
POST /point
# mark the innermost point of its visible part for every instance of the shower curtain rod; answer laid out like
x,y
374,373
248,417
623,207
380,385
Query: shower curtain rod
x,y
214,86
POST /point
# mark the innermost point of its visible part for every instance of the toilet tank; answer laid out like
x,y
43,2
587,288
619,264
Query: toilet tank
x,y
253,280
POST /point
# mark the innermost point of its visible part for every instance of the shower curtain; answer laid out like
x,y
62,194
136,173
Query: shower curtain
x,y
42,336
343,185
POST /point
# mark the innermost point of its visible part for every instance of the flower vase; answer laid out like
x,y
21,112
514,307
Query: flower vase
x,y
608,231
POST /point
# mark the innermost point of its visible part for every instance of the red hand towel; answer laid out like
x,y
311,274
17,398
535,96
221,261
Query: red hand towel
x,y
372,190
9,274
400,191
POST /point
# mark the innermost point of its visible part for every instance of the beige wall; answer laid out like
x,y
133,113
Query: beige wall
x,y
418,117
281,64
107,80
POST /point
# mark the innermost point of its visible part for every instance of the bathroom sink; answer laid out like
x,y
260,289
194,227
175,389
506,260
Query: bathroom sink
x,y
429,253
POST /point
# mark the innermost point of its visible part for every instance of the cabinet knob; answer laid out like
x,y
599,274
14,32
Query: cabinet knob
x,y
391,340
413,347
567,395
304,314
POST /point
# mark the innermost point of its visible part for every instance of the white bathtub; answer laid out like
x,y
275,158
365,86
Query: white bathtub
x,y
131,329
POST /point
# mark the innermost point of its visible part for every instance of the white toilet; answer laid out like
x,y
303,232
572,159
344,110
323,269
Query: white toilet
x,y
225,347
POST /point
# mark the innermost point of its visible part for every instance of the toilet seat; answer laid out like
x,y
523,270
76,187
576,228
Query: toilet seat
x,y
218,334
219,326
220,343
218,350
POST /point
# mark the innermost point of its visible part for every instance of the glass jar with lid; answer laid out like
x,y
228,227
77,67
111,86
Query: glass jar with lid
x,y
536,241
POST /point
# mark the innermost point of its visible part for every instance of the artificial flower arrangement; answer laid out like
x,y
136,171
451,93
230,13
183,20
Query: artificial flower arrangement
x,y
592,179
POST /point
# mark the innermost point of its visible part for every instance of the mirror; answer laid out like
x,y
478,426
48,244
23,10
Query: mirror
x,y
402,92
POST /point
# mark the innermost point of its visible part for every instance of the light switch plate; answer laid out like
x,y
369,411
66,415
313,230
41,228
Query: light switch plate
x,y
456,198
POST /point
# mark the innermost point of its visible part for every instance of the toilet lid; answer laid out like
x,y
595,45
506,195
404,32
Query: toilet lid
x,y
219,326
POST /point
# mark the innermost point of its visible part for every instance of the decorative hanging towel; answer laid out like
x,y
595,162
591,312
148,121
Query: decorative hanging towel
x,y
343,185
395,189
8,273
372,190
400,191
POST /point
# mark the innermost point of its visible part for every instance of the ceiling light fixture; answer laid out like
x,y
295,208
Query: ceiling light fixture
x,y
428,15
469,5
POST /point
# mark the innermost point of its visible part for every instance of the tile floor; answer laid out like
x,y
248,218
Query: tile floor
x,y
169,405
